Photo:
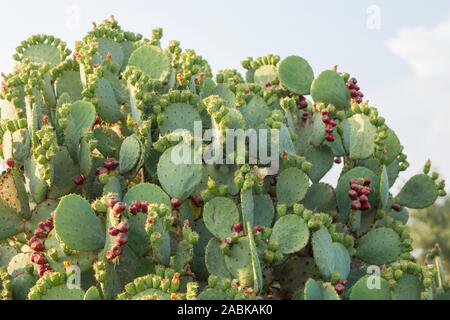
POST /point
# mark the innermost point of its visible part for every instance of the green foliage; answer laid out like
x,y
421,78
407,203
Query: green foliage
x,y
105,173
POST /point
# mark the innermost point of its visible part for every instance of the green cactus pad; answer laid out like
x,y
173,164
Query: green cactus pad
x,y
38,187
179,116
199,259
384,187
82,115
108,108
17,145
265,74
322,159
215,260
7,252
10,221
219,215
183,256
21,285
318,130
179,180
119,86
239,262
296,74
53,286
264,211
108,142
63,169
85,157
13,192
419,192
359,136
137,236
77,226
92,294
392,145
393,171
108,46
342,198
330,88
69,83
292,186
379,246
330,257
152,61
19,264
41,213
294,273
83,260
226,94
361,290
320,198
409,287
130,153
43,53
313,290
255,112
291,233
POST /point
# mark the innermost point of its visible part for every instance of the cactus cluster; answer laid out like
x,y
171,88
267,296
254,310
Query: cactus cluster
x,y
91,189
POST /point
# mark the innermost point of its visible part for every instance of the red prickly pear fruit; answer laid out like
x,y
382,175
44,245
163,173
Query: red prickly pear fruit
x,y
119,207
338,160
353,194
332,123
121,239
325,112
110,255
354,93
258,229
353,80
143,206
101,170
238,227
340,289
198,201
365,191
113,231
32,240
356,205
397,207
343,282
303,104
43,269
134,208
123,227
111,164
329,138
367,182
37,246
40,233
176,203
98,121
365,206
10,163
38,258
112,201
326,119
355,187
79,180
116,250
354,181
363,199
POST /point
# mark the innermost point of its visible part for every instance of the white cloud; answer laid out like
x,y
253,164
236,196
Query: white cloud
x,y
418,106
425,49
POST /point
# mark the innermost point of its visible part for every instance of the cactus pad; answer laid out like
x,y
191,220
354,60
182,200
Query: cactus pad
x,y
418,193
296,74
215,260
264,211
409,287
77,226
359,136
322,159
379,246
130,153
330,88
179,116
292,186
220,214
366,289
152,61
291,233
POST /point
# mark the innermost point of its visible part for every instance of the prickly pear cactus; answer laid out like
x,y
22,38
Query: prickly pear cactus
x,y
108,192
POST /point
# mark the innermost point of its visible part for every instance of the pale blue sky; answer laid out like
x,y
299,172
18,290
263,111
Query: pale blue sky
x,y
403,67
